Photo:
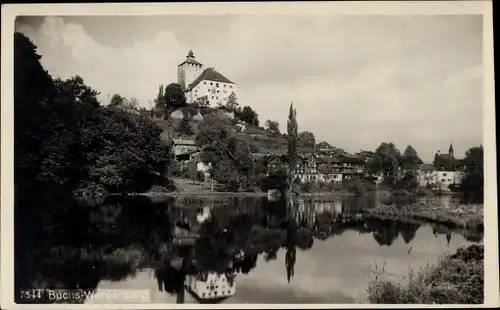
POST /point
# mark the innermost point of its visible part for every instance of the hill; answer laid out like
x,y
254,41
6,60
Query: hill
x,y
261,140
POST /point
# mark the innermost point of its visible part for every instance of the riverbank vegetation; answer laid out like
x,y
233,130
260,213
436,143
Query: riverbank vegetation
x,y
457,279
468,216
66,141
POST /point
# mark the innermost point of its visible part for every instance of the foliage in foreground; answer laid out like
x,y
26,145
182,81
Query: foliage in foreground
x,y
65,140
457,279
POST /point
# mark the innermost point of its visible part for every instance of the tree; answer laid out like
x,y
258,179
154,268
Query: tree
x,y
410,160
232,163
173,98
387,158
117,100
185,128
292,137
232,103
134,103
202,102
273,126
248,115
324,145
473,181
104,146
307,139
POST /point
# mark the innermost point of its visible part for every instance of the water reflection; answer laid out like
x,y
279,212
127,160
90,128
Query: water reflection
x,y
196,247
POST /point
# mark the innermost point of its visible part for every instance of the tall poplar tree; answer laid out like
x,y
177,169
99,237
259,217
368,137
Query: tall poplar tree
x,y
292,137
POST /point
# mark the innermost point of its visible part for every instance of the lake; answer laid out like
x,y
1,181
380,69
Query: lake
x,y
274,252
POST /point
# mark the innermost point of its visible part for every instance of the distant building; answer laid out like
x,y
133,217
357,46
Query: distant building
x,y
185,149
211,286
313,167
445,171
200,82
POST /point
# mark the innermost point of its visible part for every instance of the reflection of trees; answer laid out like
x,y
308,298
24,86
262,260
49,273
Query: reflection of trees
x,y
291,248
408,231
79,245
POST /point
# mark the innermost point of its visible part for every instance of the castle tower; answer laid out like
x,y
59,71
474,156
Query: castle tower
x,y
188,70
450,151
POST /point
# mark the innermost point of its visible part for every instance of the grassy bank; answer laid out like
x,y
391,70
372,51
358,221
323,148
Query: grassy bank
x,y
457,279
468,216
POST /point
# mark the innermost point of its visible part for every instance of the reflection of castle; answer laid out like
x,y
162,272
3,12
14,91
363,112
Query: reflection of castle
x,y
211,285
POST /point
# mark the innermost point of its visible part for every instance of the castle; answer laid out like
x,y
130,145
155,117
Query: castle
x,y
200,82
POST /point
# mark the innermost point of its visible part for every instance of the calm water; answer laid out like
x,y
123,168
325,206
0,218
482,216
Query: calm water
x,y
129,243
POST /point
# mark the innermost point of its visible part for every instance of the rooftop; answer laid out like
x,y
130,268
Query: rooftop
x,y
190,60
210,74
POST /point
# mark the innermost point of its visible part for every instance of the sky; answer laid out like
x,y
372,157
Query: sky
x,y
356,81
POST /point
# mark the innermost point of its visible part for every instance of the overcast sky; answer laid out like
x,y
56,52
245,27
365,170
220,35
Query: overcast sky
x,y
356,81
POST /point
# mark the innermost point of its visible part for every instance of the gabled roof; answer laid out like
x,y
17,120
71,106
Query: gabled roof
x,y
184,142
268,158
190,61
329,159
210,74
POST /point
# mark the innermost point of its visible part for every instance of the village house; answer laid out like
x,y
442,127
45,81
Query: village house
x,y
317,168
184,149
200,82
445,171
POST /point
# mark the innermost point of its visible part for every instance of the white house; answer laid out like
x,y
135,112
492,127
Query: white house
x,y
198,81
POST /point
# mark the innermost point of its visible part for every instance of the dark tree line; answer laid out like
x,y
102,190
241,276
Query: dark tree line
x,y
66,140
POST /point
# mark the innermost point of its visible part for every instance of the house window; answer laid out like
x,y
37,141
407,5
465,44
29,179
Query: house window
x,y
217,97
211,83
218,91
217,84
204,83
230,86
212,97
443,180
224,85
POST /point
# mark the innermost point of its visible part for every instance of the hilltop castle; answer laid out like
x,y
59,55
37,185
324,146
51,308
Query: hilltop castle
x,y
198,82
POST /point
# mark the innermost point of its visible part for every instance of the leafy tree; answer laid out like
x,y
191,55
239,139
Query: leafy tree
x,y
292,137
248,115
386,159
273,126
185,127
232,163
173,98
202,102
473,181
307,139
117,100
74,142
324,145
409,159
134,103
232,103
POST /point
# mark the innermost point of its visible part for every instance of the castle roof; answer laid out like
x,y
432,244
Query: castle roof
x,y
190,60
210,74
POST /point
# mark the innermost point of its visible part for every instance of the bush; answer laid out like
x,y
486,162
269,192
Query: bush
x,y
457,279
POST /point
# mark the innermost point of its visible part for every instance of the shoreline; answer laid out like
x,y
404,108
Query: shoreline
x,y
463,216
243,194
